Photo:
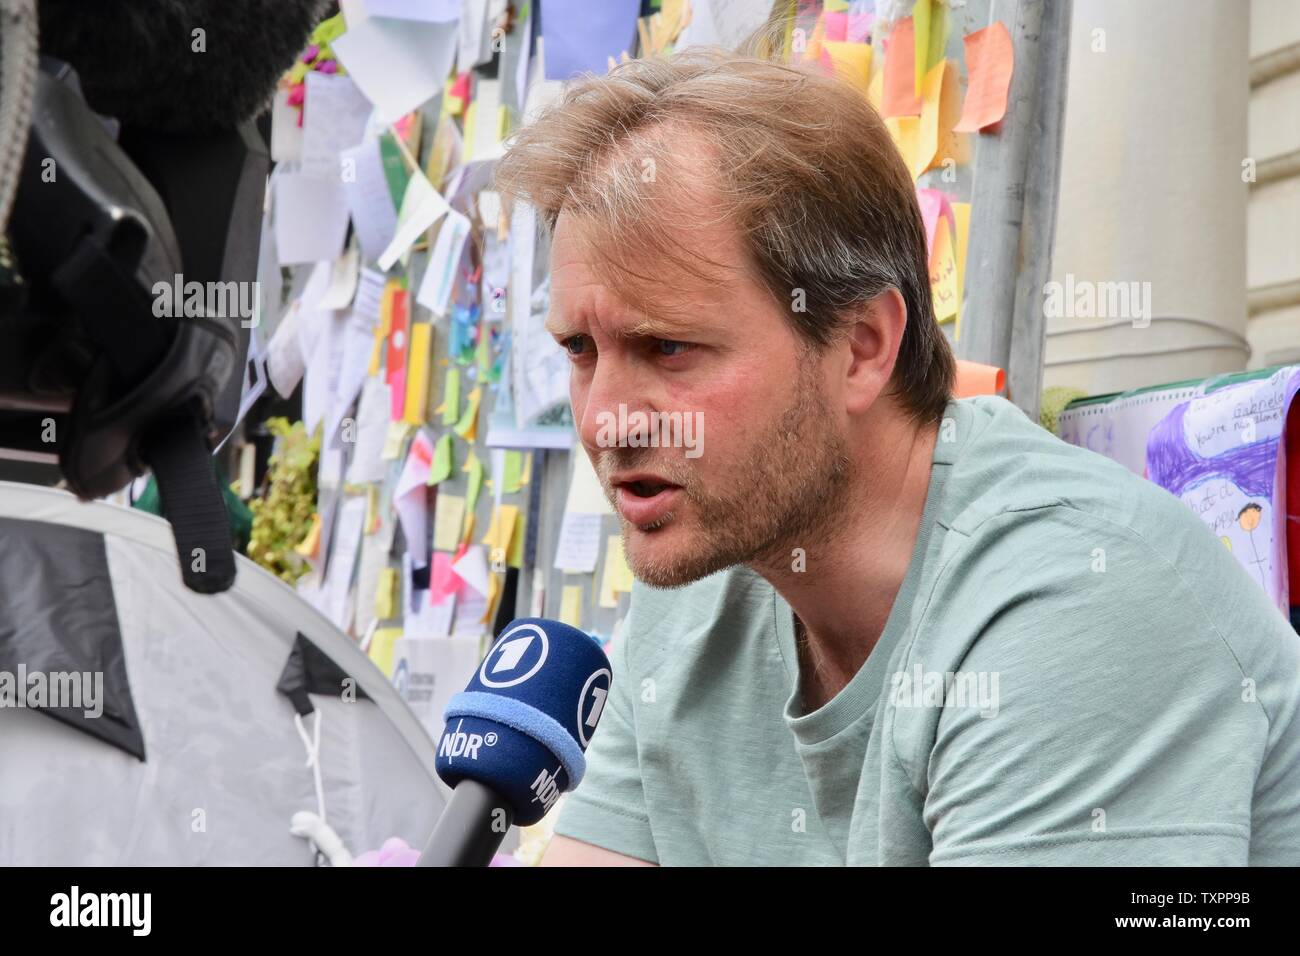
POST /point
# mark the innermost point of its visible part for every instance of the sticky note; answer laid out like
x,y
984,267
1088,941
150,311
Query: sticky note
x,y
929,36
974,378
474,467
961,217
417,375
467,427
440,470
905,131
510,477
515,558
386,594
927,138
943,274
950,143
448,516
571,605
450,406
901,90
934,204
836,25
617,575
398,345
851,62
500,531
989,63
443,581
381,648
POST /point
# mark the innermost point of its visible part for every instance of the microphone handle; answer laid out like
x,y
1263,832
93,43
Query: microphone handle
x,y
470,829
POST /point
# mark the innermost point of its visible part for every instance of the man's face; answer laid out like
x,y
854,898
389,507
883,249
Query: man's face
x,y
769,469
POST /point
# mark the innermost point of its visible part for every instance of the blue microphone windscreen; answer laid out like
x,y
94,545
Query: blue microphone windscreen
x,y
527,715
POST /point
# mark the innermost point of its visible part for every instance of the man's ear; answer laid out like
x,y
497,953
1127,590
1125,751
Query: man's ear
x,y
872,348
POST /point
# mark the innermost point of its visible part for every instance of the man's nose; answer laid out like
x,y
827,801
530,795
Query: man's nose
x,y
613,383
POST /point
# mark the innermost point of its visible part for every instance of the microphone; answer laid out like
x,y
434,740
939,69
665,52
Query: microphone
x,y
515,738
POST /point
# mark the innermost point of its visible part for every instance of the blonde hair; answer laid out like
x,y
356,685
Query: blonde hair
x,y
798,161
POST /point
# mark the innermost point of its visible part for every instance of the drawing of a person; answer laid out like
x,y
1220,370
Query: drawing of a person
x,y
1249,517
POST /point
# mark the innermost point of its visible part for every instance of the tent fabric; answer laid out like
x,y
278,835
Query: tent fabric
x,y
225,768
41,630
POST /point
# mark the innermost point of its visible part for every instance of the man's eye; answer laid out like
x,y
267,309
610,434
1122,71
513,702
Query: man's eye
x,y
668,347
575,345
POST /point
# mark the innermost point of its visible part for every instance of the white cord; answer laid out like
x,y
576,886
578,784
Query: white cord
x,y
312,746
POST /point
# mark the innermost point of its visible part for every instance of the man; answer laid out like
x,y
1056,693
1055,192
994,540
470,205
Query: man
x,y
871,625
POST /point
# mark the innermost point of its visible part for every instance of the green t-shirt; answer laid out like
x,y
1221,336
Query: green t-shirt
x,y
1124,692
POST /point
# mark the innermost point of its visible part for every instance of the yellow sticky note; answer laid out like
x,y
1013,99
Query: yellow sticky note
x,y
382,329
905,131
961,214
500,531
927,135
394,440
440,470
381,648
450,406
386,594
527,476
617,575
503,122
949,143
513,467
571,605
448,516
943,274
467,427
515,558
474,467
876,90
852,62
468,533
930,36
417,373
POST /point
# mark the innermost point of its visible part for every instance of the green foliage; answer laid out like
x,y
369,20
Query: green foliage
x,y
283,518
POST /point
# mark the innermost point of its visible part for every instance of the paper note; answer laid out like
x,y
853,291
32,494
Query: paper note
x,y
372,427
398,64
355,354
347,539
285,362
440,276
451,396
448,516
989,62
443,581
381,647
374,216
961,219
617,576
906,133
410,498
474,468
585,492
311,218
580,36
473,37
927,135
467,427
934,205
579,543
386,594
333,119
472,568
440,470
417,374
950,143
422,206
850,61
571,605
512,472
901,95
432,11
500,532
399,341
943,274
930,34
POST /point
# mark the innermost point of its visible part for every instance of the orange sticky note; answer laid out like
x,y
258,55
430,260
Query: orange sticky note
x,y
951,144
900,95
989,61
976,379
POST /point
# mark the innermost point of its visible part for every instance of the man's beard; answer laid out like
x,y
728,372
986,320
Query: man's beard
x,y
786,493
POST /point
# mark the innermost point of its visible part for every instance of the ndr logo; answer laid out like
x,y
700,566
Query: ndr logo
x,y
457,743
517,656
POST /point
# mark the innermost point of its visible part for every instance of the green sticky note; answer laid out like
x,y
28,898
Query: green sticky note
x,y
451,396
482,353
475,469
440,470
513,471
395,171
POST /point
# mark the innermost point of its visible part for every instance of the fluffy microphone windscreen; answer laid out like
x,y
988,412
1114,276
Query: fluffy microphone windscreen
x,y
143,62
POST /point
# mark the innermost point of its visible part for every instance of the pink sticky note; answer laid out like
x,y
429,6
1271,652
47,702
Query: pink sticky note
x,y
442,579
934,203
859,27
837,25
